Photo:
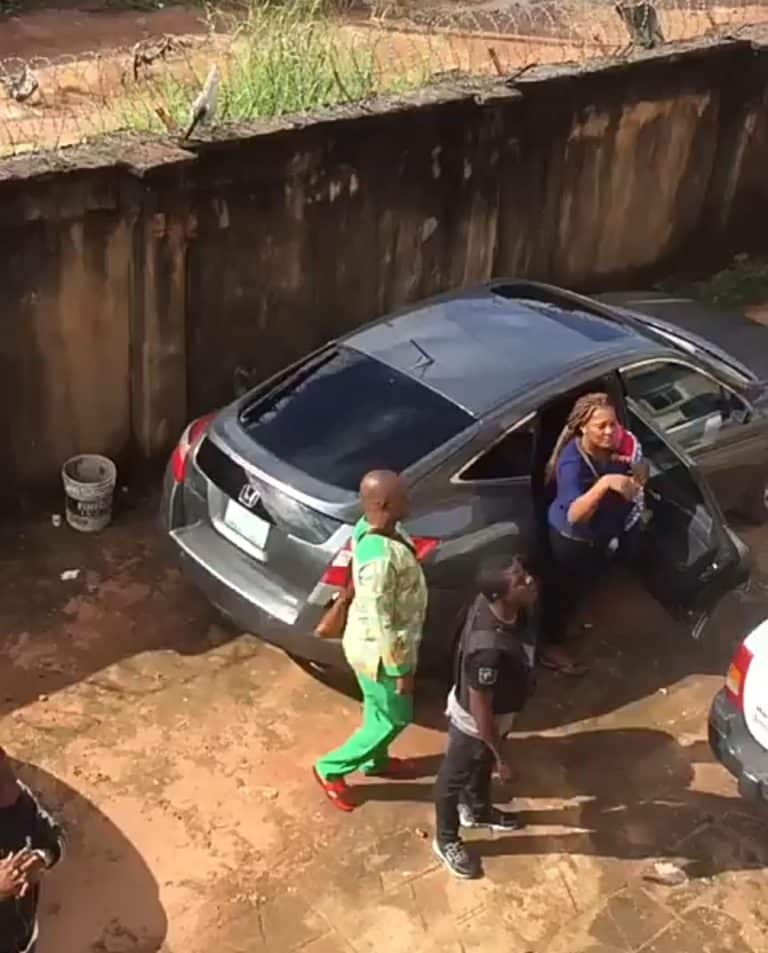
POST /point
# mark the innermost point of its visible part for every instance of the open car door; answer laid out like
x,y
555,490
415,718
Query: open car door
x,y
688,557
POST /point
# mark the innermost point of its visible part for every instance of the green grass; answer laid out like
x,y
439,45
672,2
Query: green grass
x,y
284,58
743,283
293,61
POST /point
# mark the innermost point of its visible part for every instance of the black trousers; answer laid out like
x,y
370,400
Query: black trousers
x,y
464,775
573,573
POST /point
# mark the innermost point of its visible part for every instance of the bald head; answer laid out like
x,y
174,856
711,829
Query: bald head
x,y
384,496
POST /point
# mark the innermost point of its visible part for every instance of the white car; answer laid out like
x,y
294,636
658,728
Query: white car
x,y
738,719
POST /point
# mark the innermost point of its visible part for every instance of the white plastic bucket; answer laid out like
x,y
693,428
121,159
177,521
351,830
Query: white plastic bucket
x,y
89,487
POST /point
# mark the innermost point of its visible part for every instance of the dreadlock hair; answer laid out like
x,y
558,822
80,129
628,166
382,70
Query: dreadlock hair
x,y
580,414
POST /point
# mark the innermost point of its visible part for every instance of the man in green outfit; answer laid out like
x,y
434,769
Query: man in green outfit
x,y
381,638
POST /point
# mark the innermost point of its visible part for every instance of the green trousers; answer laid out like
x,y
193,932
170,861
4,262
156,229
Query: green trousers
x,y
385,714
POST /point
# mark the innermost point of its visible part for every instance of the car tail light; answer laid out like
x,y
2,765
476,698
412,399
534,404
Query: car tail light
x,y
339,569
337,573
737,675
186,445
424,547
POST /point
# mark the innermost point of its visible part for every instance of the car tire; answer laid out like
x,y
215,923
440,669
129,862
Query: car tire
x,y
756,509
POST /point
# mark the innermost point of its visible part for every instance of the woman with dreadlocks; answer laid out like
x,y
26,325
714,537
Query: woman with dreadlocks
x,y
596,489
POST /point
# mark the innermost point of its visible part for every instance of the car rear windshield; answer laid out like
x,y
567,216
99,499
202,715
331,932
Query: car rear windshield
x,y
342,414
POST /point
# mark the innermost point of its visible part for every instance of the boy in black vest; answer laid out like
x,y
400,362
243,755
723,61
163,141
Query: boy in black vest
x,y
494,676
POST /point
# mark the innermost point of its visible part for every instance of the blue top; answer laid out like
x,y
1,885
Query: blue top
x,y
574,478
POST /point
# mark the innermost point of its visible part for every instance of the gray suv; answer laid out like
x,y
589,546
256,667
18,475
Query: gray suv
x,y
465,394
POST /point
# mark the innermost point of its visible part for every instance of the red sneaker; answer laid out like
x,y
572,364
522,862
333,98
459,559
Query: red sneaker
x,y
397,769
337,792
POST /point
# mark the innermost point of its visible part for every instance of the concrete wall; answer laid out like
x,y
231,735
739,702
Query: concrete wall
x,y
137,277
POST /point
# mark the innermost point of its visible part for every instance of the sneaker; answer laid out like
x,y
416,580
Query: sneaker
x,y
492,820
457,859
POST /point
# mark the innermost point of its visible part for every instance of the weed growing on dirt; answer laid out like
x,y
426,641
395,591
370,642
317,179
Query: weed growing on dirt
x,y
275,59
292,60
744,282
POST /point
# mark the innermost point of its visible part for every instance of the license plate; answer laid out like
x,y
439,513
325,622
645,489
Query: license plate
x,y
247,525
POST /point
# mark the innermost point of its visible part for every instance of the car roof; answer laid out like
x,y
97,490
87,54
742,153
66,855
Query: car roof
x,y
483,345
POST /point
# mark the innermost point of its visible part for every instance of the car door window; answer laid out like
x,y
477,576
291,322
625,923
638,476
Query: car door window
x,y
509,458
686,556
689,406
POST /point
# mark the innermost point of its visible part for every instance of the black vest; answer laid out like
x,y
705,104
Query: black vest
x,y
483,630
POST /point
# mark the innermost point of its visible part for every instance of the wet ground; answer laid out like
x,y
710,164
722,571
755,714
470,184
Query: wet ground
x,y
178,753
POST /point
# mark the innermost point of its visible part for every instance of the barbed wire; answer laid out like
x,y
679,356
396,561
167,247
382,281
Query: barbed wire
x,y
291,61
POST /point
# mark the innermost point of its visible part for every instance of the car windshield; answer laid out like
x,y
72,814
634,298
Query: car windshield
x,y
342,414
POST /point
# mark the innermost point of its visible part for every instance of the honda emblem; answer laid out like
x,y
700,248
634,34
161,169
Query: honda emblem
x,y
249,496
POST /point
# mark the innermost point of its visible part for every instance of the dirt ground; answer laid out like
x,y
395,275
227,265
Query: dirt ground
x,y
70,28
178,754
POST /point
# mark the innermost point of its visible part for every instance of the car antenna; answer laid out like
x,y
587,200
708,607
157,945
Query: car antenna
x,y
425,360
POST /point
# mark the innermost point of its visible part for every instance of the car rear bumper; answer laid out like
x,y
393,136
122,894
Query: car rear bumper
x,y
246,609
248,598
735,748
244,592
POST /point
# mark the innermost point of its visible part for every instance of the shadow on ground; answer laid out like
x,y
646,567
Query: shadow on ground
x,y
628,795
101,870
634,650
128,599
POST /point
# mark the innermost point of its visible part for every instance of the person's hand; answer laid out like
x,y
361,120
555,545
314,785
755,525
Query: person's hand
x,y
404,685
625,486
641,471
504,771
30,865
11,879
